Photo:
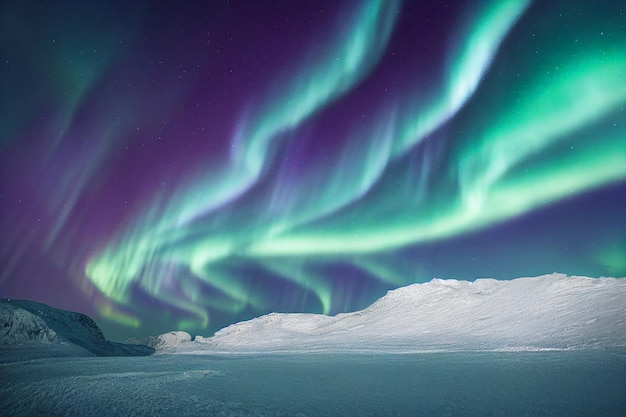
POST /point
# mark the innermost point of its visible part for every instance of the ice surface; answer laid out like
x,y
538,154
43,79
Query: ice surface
x,y
550,312
468,384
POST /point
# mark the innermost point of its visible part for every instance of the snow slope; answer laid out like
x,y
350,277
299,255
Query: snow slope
x,y
27,325
164,342
548,312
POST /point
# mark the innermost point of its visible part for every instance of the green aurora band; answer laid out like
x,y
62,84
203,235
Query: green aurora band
x,y
354,206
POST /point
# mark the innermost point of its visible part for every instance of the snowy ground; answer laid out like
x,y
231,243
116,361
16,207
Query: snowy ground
x,y
431,384
545,346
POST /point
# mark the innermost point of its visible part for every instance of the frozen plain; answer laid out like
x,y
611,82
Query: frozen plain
x,y
564,384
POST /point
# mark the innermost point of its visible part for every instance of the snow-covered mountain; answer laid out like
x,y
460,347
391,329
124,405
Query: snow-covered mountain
x,y
31,326
548,312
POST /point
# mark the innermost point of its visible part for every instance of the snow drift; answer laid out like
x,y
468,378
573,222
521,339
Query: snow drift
x,y
548,312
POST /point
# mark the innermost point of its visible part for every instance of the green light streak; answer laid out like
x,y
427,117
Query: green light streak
x,y
316,85
468,67
294,271
329,78
393,136
156,232
614,257
539,146
110,312
486,196
579,96
383,270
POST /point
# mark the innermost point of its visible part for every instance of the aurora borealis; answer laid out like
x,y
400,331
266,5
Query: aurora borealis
x,y
187,165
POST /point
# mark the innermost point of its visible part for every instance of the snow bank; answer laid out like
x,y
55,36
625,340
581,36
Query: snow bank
x,y
543,313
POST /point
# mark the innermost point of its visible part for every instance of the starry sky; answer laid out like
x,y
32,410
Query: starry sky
x,y
186,165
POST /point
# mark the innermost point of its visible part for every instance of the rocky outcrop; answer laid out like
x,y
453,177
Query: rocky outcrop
x,y
18,326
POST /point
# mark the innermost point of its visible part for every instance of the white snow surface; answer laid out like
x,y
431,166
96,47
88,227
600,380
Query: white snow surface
x,y
549,312
165,342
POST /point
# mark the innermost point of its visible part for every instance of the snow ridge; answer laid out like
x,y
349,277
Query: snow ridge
x,y
549,312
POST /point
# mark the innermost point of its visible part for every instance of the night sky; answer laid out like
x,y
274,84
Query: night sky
x,y
187,165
